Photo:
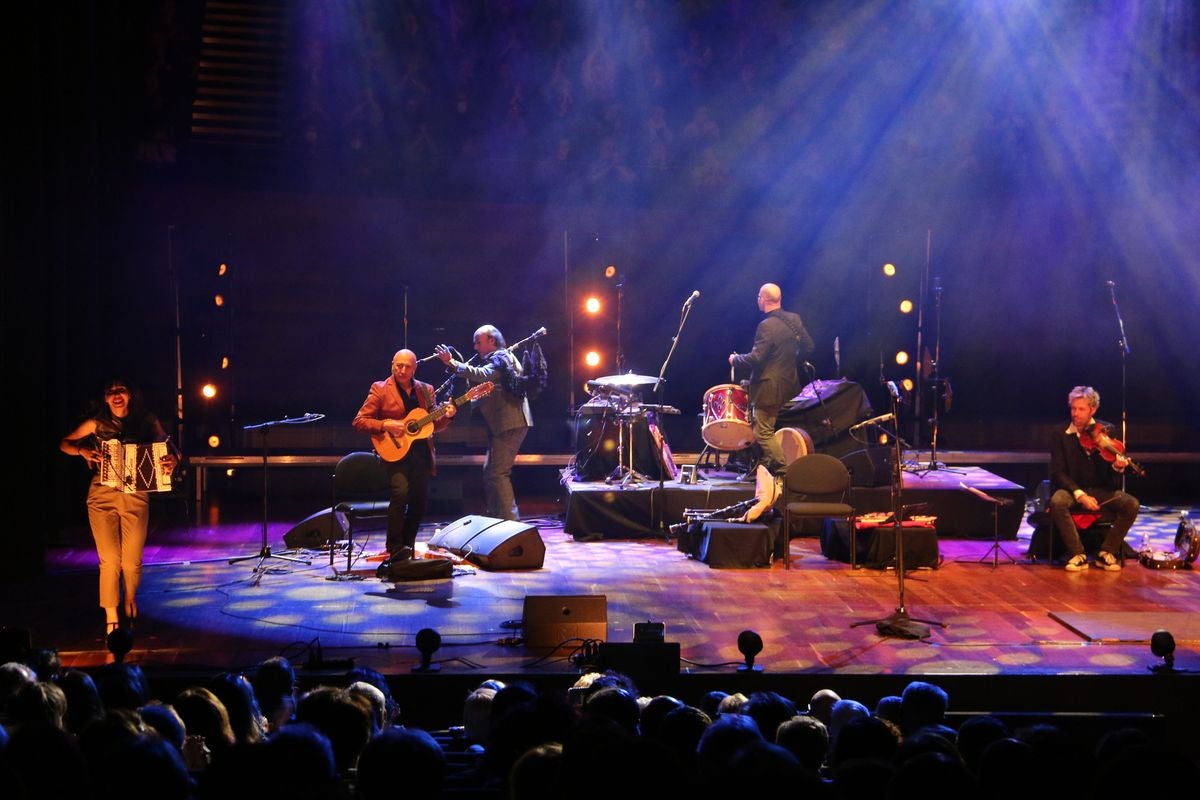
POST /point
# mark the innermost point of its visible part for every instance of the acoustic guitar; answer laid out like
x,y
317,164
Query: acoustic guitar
x,y
394,445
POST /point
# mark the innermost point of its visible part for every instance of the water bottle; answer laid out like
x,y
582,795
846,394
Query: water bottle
x,y
1145,548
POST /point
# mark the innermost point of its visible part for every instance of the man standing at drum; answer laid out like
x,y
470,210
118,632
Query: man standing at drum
x,y
780,343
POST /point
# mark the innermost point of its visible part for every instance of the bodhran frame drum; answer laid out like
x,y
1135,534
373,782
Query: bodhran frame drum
x,y
726,423
794,442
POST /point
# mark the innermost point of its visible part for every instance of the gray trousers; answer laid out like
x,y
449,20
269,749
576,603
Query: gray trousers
x,y
497,472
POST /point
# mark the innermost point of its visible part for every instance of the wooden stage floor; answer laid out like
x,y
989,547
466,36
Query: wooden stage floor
x,y
1014,620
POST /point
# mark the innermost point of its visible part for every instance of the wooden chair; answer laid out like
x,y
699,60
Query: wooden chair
x,y
817,486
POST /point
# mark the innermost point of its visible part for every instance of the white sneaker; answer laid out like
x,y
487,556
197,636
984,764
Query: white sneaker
x,y
1107,562
1077,563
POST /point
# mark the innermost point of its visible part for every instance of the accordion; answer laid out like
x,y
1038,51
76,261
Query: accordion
x,y
134,467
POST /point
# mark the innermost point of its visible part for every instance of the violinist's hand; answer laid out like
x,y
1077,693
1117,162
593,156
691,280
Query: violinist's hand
x,y
443,353
1089,502
1120,463
732,356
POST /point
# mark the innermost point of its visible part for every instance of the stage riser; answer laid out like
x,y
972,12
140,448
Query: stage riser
x,y
596,511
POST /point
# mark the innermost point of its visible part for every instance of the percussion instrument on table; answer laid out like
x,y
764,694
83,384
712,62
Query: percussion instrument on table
x,y
134,467
726,423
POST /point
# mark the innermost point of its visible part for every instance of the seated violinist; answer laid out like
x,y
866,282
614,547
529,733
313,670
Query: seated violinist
x,y
1085,472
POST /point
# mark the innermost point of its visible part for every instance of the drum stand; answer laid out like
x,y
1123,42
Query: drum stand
x,y
624,473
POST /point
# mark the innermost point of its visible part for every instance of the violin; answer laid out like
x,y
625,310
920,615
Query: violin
x,y
1096,438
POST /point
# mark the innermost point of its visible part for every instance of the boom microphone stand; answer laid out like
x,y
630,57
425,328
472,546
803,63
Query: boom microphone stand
x,y
265,551
660,518
899,623
1123,343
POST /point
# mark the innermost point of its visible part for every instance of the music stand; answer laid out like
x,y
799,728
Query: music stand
x,y
899,623
995,550
265,549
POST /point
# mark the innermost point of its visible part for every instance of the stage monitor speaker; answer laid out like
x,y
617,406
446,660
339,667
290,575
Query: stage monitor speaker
x,y
492,544
554,620
870,467
316,531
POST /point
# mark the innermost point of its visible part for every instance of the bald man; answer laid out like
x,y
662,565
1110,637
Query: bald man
x,y
388,403
780,343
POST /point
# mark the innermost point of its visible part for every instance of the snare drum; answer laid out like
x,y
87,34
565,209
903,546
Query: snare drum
x,y
727,418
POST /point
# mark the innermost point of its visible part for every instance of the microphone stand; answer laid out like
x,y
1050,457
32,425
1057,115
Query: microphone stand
x,y
899,623
936,384
265,550
660,517
1123,343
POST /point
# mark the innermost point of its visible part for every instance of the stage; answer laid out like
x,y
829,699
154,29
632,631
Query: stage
x,y
597,510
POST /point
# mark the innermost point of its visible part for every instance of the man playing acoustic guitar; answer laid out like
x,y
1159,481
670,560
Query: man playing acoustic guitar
x,y
383,415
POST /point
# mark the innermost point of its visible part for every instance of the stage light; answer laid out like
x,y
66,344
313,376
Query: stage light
x,y
214,441
889,270
610,271
749,645
218,300
222,269
906,306
119,642
225,362
592,358
208,391
901,357
907,383
1162,644
592,305
428,641
229,473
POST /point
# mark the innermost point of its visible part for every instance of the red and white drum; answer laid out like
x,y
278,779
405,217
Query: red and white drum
x,y
727,418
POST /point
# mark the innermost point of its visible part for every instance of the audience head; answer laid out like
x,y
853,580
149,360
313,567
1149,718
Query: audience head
x,y
203,714
842,712
889,707
477,714
274,685
237,695
122,686
820,705
407,758
975,734
345,721
769,710
922,704
164,722
731,704
721,741
805,737
37,703
711,702
374,701
83,699
654,712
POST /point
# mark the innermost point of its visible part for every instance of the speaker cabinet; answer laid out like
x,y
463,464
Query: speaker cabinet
x,y
556,620
493,544
870,467
316,531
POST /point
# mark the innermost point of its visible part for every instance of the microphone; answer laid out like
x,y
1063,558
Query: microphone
x,y
539,333
1110,284
808,366
893,390
695,294
873,421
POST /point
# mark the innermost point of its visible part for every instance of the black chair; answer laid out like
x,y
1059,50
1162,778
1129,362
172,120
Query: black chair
x,y
1047,540
817,486
360,492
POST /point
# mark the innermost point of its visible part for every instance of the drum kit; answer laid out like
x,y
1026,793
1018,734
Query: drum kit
x,y
618,438
639,451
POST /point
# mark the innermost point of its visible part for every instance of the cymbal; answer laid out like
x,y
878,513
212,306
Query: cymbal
x,y
626,380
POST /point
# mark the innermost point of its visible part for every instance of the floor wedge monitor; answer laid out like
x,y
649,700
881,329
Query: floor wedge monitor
x,y
491,543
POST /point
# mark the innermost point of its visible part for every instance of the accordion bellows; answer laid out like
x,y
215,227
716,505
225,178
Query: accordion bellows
x,y
134,467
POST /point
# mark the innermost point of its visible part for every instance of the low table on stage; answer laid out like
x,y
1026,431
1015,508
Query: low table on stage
x,y
959,513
